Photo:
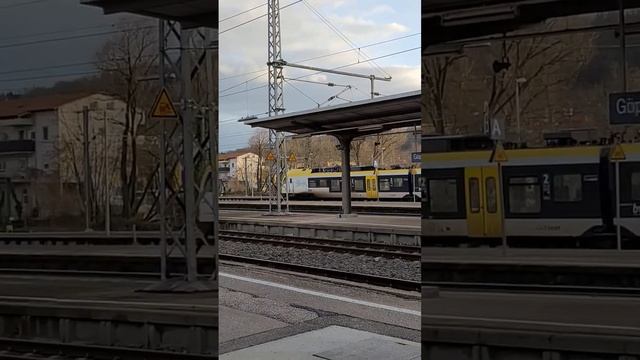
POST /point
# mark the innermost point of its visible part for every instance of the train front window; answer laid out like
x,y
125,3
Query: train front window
x,y
635,186
385,184
335,185
567,188
524,196
398,182
323,183
357,184
443,195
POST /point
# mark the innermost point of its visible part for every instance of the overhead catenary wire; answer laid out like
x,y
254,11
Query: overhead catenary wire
x,y
302,92
330,54
343,36
242,13
256,18
335,68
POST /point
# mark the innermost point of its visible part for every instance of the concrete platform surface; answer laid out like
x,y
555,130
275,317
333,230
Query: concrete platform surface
x,y
587,257
102,291
304,303
360,221
331,343
534,312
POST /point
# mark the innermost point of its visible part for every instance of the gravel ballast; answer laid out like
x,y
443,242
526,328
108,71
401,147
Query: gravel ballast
x,y
361,264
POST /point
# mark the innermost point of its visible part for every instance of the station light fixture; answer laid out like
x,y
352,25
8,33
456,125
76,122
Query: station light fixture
x,y
479,15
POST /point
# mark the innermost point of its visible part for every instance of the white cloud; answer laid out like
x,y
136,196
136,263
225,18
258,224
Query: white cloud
x,y
244,50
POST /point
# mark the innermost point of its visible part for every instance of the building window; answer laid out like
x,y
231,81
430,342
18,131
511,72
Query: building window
x,y
46,166
45,133
33,135
25,196
110,105
567,188
93,105
443,195
21,135
3,166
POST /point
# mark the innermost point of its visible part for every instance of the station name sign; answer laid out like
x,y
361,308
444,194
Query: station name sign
x,y
624,108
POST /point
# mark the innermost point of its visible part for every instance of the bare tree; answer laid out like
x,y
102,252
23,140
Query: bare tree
x,y
125,59
258,143
435,73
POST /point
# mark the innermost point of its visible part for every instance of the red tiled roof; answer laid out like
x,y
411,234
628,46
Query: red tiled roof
x,y
233,154
22,106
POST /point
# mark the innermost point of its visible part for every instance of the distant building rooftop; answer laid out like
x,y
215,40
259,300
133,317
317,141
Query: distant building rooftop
x,y
25,106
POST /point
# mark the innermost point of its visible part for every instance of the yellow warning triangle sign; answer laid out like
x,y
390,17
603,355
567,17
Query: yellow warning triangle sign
x,y
617,153
498,155
292,157
163,106
270,156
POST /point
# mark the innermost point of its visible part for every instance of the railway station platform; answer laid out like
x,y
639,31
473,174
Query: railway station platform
x,y
261,311
456,325
394,230
602,271
405,208
107,312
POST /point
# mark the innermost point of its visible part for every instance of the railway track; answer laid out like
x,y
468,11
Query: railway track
x,y
411,253
20,349
382,281
535,288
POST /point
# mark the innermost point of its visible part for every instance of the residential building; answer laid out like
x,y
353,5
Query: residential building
x,y
238,171
41,152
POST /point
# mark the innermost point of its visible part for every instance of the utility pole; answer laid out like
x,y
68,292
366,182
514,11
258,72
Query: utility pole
x,y
277,171
107,195
87,176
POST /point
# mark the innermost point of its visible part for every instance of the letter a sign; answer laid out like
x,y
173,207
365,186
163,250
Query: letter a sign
x,y
496,129
163,106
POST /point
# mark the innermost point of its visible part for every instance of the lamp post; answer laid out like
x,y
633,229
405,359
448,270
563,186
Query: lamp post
x,y
518,82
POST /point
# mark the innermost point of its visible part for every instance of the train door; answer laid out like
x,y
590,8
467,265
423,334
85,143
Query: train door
x,y
484,219
372,187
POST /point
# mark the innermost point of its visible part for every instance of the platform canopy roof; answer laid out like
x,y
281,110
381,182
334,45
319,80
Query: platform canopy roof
x,y
351,119
190,13
450,20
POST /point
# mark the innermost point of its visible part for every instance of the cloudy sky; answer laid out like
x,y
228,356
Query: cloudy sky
x,y
243,55
43,41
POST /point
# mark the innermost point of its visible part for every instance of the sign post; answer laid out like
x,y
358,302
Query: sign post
x,y
617,155
499,156
162,109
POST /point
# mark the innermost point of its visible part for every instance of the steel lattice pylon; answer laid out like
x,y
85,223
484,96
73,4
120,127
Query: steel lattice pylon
x,y
278,166
188,70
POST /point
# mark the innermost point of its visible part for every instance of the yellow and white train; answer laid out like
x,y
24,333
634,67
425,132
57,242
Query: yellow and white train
x,y
367,183
548,196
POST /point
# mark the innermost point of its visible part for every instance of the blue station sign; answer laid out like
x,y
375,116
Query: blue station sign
x,y
624,108
416,157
